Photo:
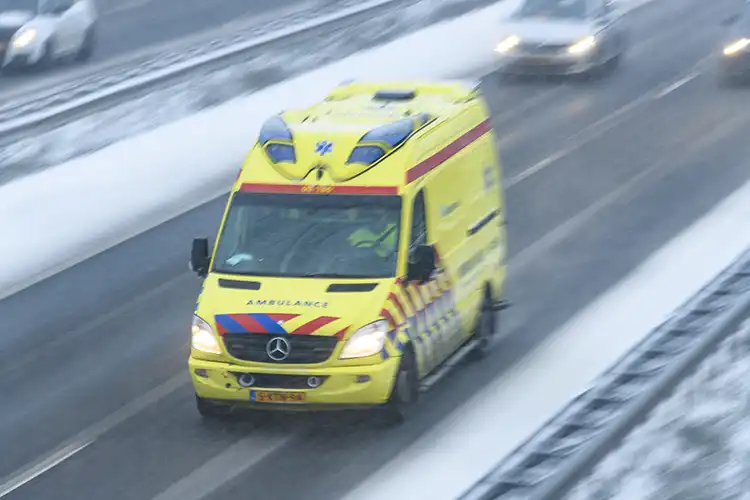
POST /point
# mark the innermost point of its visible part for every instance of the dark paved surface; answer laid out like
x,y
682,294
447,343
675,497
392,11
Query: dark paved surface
x,y
127,26
78,347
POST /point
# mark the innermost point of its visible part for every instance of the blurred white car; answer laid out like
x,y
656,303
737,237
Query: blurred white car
x,y
561,37
38,32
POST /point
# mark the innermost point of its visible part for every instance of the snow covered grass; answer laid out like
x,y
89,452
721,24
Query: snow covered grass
x,y
695,445
201,92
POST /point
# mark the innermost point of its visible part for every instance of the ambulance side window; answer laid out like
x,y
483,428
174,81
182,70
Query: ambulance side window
x,y
418,222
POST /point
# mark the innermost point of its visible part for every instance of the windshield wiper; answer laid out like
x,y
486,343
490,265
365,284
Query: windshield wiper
x,y
340,276
324,275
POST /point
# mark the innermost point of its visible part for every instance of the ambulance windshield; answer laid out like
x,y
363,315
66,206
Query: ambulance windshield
x,y
303,235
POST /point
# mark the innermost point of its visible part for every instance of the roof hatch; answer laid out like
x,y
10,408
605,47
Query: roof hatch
x,y
394,95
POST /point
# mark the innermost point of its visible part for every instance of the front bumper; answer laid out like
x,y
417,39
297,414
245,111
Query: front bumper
x,y
11,57
345,387
736,64
551,64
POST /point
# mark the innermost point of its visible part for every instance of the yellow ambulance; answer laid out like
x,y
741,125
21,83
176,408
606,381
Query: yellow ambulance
x,y
360,256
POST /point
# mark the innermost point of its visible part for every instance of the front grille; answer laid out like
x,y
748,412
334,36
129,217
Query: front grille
x,y
275,381
305,349
543,49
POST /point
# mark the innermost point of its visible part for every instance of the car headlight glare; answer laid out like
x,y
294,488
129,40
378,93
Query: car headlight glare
x,y
737,46
507,44
366,341
24,38
583,46
203,338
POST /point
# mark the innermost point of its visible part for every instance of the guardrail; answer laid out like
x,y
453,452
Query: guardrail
x,y
566,449
42,112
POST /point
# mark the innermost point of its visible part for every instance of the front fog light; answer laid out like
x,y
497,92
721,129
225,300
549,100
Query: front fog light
x,y
366,341
507,44
204,339
583,46
24,38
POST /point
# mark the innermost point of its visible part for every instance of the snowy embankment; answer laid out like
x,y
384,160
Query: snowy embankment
x,y
695,445
70,212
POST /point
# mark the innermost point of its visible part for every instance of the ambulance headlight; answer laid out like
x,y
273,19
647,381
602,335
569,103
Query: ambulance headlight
x,y
366,341
24,38
203,338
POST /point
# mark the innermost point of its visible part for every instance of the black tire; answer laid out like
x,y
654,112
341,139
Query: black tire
x,y
484,330
47,59
405,393
614,64
88,46
212,411
605,69
730,80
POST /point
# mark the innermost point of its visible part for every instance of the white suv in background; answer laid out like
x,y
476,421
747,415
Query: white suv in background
x,y
39,32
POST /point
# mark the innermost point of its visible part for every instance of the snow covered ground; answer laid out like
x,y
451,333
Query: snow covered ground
x,y
694,446
141,115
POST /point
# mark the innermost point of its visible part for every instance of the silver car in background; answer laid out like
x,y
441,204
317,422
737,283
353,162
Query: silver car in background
x,y
561,37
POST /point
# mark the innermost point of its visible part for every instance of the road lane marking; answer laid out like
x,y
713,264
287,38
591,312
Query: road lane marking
x,y
42,467
591,132
98,322
659,168
17,479
676,85
564,230
224,467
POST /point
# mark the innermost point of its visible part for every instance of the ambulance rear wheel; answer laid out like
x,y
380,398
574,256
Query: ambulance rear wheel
x,y
212,411
405,391
484,330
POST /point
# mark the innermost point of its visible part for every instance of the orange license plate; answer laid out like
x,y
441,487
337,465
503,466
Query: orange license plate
x,y
276,397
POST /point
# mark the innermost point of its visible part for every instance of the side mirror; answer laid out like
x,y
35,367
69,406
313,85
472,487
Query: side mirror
x,y
421,264
730,20
199,257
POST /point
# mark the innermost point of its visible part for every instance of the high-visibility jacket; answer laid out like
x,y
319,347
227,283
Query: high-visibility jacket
x,y
385,247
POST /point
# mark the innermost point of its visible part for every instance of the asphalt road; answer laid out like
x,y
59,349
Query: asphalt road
x,y
130,25
127,26
599,174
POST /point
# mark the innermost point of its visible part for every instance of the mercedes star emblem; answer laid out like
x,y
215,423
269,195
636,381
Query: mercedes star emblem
x,y
278,348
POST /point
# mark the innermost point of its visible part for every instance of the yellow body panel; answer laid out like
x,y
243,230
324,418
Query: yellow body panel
x,y
449,156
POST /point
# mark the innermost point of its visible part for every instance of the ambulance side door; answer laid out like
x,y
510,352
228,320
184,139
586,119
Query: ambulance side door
x,y
446,212
429,345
